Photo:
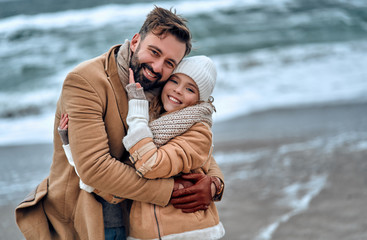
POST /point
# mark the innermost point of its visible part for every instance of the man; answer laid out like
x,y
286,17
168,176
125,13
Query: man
x,y
95,99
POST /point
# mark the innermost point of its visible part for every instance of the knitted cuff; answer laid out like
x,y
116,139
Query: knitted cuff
x,y
135,93
63,135
134,136
138,108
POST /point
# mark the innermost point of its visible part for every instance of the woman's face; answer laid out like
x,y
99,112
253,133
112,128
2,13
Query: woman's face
x,y
179,92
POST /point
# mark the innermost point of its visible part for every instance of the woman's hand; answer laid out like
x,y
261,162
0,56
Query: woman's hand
x,y
131,78
63,128
64,121
134,90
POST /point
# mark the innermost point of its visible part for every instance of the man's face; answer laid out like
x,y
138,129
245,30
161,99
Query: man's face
x,y
155,58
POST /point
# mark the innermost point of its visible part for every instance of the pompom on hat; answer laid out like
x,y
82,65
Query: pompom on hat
x,y
202,70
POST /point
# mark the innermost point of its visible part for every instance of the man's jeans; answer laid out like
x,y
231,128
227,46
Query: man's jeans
x,y
117,233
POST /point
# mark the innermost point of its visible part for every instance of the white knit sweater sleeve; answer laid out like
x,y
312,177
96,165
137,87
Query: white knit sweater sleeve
x,y
69,156
137,120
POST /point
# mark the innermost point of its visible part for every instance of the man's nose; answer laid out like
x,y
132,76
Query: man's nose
x,y
158,66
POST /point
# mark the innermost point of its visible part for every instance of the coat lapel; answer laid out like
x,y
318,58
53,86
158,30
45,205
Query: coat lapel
x,y
113,78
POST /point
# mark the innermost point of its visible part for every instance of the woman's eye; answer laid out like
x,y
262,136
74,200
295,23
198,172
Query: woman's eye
x,y
191,90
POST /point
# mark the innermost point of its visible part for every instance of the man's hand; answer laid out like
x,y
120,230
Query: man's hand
x,y
181,183
196,197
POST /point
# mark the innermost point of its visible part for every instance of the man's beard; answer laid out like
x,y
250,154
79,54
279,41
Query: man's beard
x,y
139,77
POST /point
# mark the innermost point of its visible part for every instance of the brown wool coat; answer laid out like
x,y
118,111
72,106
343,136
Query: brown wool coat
x,y
97,105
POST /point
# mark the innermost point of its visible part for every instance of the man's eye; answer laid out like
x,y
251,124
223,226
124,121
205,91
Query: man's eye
x,y
154,52
170,64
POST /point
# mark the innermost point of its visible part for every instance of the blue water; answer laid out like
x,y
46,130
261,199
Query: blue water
x,y
268,53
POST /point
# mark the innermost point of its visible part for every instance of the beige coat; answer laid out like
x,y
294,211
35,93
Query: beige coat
x,y
97,105
188,152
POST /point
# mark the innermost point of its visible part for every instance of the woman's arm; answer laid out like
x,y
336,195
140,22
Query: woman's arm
x,y
63,132
182,154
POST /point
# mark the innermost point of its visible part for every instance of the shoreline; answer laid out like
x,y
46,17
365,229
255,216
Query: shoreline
x,y
289,124
325,142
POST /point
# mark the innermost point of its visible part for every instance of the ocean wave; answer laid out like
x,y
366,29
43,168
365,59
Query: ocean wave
x,y
106,14
27,130
33,103
126,13
262,79
261,63
289,76
97,16
247,82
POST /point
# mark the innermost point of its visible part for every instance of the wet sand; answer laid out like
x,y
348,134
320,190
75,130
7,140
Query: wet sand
x,y
252,203
24,167
339,211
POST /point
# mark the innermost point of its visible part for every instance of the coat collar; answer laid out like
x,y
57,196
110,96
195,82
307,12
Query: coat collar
x,y
113,78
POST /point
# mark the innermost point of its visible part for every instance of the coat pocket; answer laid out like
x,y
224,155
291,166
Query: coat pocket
x,y
30,215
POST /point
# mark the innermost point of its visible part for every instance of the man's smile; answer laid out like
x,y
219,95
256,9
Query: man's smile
x,y
149,73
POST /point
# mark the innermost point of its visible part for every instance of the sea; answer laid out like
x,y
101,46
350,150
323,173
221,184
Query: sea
x,y
268,53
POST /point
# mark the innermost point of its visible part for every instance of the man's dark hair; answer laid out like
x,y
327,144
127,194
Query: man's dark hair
x,y
161,21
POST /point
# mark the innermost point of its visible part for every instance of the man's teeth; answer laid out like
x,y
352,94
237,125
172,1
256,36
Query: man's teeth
x,y
150,74
174,100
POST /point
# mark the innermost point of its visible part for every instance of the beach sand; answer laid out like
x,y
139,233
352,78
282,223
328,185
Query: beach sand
x,y
297,147
338,211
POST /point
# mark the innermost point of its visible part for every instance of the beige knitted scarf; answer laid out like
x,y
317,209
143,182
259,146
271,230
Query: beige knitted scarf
x,y
168,125
176,123
123,58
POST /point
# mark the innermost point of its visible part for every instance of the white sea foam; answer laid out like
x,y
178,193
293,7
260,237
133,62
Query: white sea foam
x,y
225,158
299,194
27,130
290,76
126,13
360,146
116,13
297,201
240,157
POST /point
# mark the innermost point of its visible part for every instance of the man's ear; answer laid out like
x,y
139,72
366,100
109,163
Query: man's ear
x,y
135,42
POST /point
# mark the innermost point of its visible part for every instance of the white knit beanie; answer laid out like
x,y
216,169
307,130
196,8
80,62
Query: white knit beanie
x,y
202,70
